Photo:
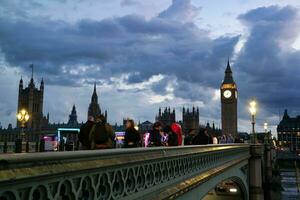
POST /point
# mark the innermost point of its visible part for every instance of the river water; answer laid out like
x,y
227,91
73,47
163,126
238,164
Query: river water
x,y
289,185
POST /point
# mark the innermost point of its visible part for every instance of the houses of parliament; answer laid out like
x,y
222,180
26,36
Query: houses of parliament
x,y
31,98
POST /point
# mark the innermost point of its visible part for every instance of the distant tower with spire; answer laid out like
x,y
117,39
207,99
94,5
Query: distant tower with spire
x,y
31,98
229,98
73,117
94,107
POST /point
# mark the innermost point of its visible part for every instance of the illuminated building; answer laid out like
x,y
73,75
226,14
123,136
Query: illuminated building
x,y
288,131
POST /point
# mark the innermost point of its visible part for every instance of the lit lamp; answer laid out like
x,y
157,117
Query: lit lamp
x,y
22,117
253,110
266,133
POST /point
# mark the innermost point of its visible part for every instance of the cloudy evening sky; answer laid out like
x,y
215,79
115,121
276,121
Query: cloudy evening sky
x,y
145,54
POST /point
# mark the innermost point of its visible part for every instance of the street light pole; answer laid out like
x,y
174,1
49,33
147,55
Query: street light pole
x,y
253,110
23,118
253,128
267,138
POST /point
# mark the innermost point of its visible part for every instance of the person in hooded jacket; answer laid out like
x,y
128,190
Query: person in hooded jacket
x,y
132,136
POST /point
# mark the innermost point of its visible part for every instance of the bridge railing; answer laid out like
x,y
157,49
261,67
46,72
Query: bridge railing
x,y
111,174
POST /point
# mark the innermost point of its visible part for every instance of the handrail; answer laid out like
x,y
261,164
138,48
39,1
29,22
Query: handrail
x,y
126,172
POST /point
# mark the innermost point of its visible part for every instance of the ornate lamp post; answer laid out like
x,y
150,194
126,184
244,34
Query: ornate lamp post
x,y
23,118
253,110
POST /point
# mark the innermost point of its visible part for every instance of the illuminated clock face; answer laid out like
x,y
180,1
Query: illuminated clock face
x,y
227,94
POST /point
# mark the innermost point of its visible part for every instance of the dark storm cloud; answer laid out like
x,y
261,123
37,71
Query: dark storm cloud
x,y
268,66
169,44
109,47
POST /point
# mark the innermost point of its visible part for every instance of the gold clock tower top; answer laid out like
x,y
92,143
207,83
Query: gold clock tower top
x,y
228,82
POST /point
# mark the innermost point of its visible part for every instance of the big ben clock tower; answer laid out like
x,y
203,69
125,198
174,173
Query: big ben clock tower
x,y
229,97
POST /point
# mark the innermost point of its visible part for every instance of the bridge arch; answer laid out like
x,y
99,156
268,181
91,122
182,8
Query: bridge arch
x,y
237,174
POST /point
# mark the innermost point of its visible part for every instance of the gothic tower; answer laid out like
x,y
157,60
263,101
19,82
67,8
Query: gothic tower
x,y
190,119
229,99
167,117
73,117
94,107
31,99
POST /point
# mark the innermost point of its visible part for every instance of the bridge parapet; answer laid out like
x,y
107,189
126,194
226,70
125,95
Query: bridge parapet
x,y
159,173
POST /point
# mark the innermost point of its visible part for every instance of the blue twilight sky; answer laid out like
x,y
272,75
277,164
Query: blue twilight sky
x,y
147,54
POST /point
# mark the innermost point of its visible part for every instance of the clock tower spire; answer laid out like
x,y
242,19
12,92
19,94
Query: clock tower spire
x,y
229,98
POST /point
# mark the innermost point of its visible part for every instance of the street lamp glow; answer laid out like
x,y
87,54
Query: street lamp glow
x,y
233,190
136,127
266,126
23,117
26,117
19,116
253,103
252,107
23,112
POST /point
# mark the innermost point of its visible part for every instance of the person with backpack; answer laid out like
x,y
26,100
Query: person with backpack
x,y
84,133
132,136
102,135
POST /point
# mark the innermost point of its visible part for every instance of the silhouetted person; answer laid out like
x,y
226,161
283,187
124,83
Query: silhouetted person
x,y
156,135
132,136
102,135
172,137
202,138
188,140
84,133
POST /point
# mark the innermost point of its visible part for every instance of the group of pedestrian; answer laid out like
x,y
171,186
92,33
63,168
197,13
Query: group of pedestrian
x,y
171,135
228,139
200,138
98,134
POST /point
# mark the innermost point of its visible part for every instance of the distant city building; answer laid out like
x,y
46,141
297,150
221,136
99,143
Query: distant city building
x,y
167,117
288,131
229,99
190,119
94,107
31,99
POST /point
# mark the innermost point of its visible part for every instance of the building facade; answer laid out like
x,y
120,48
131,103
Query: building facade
x,y
167,117
288,131
31,99
190,119
229,98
